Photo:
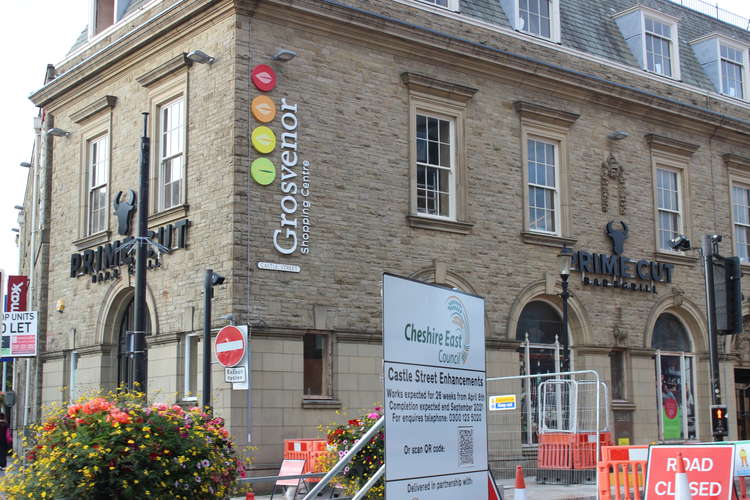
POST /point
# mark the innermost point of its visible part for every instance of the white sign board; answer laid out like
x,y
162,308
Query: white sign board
x,y
244,364
235,374
500,403
435,396
19,334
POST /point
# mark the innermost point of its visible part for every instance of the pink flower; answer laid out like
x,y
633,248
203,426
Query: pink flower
x,y
374,415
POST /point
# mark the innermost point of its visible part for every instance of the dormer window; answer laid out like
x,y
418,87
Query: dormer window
x,y
105,13
540,18
446,4
725,62
652,38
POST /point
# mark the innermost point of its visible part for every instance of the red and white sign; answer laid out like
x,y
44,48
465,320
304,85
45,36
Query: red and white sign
x,y
709,470
263,77
230,346
18,287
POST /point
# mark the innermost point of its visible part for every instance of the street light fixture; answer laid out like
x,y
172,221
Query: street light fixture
x,y
564,259
211,280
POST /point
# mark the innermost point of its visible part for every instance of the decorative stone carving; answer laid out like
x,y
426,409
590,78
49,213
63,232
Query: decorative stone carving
x,y
678,296
612,170
743,348
620,334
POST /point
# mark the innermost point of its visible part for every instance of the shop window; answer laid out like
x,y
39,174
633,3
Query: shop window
x,y
438,198
317,365
171,143
675,380
97,203
542,351
540,18
190,366
652,39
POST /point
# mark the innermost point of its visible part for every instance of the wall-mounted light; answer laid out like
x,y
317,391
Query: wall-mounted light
x,y
284,55
200,57
25,164
58,132
60,305
19,207
15,230
617,135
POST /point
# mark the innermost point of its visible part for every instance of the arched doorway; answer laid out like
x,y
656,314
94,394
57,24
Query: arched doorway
x,y
544,349
126,326
675,379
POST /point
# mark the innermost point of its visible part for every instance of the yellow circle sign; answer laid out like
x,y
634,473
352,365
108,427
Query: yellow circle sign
x,y
263,171
263,139
263,109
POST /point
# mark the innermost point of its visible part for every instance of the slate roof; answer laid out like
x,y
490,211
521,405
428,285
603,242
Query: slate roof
x,y
588,26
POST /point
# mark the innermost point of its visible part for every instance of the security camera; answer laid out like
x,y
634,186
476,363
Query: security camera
x,y
716,238
680,243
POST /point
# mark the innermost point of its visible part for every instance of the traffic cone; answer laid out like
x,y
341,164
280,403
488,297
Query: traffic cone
x,y
520,492
250,496
681,486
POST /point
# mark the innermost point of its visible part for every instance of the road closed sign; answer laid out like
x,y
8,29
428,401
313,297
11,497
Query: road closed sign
x,y
709,469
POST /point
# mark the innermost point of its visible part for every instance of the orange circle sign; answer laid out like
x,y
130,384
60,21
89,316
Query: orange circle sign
x,y
263,139
263,108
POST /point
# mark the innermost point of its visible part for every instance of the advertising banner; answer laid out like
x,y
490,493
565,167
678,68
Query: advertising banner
x,y
19,332
709,468
434,374
18,287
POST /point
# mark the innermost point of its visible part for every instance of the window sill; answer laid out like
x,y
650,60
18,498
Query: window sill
x,y
169,215
547,240
675,258
449,226
321,404
92,240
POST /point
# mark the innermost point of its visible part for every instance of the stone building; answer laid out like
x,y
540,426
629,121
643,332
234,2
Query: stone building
x,y
461,142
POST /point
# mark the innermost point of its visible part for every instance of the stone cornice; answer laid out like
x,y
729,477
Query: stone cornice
x,y
737,162
127,44
106,102
164,70
669,145
543,114
429,85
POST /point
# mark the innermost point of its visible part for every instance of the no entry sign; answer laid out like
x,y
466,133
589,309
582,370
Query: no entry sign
x,y
230,345
709,470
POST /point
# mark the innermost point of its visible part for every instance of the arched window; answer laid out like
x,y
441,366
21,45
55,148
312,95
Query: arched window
x,y
544,349
675,379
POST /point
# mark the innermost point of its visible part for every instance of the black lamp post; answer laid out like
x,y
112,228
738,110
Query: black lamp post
x,y
564,258
211,280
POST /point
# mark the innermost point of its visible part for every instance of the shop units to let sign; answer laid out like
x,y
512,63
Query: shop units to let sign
x,y
19,334
434,377
710,469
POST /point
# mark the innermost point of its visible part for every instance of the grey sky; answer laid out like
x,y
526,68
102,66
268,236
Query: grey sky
x,y
35,33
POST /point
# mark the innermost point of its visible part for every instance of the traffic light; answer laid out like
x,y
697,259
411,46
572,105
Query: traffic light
x,y
719,423
728,294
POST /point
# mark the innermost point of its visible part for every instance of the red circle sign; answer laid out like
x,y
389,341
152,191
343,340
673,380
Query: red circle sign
x,y
229,346
263,77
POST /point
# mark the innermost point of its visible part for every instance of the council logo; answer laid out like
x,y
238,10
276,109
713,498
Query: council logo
x,y
263,171
263,139
263,109
459,319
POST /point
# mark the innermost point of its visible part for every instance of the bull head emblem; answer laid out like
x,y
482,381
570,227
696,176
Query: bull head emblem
x,y
123,210
618,236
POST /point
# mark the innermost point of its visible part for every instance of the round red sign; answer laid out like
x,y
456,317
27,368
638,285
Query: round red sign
x,y
229,346
263,77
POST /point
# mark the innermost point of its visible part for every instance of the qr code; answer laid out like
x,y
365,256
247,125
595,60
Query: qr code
x,y
465,446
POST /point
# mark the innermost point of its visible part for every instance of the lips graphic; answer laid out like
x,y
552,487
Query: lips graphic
x,y
263,139
264,77
264,108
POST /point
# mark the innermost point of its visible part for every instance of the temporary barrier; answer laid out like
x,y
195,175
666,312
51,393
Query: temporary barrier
x,y
621,479
308,450
516,419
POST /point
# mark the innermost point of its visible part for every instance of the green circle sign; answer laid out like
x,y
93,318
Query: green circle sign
x,y
263,171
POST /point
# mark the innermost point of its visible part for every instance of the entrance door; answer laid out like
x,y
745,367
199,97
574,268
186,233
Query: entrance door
x,y
742,391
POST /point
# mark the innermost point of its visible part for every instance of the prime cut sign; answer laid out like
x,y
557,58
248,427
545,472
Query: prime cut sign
x,y
709,469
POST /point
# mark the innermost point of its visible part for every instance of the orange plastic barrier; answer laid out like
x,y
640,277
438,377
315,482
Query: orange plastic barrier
x,y
559,450
308,450
621,479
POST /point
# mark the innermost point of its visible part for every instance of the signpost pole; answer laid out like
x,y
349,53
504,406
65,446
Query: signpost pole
x,y
207,295
138,377
713,352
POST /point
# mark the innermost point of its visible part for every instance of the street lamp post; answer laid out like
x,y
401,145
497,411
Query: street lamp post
x,y
564,258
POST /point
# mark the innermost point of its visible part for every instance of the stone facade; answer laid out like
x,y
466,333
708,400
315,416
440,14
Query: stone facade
x,y
359,67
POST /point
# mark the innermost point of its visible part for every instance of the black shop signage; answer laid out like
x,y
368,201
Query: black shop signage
x,y
103,264
615,270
